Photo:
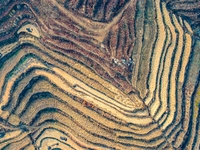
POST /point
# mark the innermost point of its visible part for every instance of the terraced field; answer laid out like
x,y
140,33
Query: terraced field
x,y
99,74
